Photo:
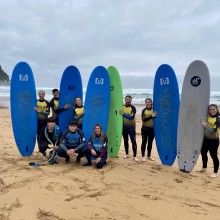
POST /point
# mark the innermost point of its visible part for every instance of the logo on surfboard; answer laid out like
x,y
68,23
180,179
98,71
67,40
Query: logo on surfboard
x,y
71,87
99,81
164,81
195,81
23,77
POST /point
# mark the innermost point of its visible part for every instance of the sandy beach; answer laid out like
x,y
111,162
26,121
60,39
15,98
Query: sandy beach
x,y
123,189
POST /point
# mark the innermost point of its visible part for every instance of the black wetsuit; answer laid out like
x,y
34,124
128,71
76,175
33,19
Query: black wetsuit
x,y
211,142
54,104
78,115
129,128
44,106
147,131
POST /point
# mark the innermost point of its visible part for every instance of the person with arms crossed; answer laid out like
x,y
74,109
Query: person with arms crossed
x,y
147,129
43,110
129,127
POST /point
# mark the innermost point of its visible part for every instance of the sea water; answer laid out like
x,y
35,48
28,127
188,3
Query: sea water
x,y
138,96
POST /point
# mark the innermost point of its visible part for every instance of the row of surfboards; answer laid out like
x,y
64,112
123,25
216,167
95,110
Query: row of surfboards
x,y
177,126
104,99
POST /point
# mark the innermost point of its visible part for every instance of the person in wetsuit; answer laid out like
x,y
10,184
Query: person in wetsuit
x,y
72,142
147,129
78,112
54,104
43,110
211,139
97,147
49,137
129,127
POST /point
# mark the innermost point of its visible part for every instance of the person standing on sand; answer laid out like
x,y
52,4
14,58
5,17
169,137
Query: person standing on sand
x,y
43,110
211,139
54,104
147,129
97,147
78,112
129,127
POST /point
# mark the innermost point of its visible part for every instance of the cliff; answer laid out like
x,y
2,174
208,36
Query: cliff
x,y
4,78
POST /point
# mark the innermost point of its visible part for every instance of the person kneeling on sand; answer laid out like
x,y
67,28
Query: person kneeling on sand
x,y
49,137
97,147
72,142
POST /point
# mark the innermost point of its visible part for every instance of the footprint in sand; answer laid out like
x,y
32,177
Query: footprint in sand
x,y
178,180
41,214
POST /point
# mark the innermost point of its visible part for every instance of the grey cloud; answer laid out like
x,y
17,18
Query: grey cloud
x,y
135,36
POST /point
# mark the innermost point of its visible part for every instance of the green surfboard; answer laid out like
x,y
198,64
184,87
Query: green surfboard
x,y
115,120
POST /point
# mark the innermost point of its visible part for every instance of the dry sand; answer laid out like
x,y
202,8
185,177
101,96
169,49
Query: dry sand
x,y
123,189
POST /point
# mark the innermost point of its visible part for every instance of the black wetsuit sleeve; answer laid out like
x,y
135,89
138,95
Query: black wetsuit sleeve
x,y
144,117
55,109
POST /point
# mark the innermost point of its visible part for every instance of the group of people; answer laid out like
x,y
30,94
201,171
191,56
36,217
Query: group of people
x,y
72,141
211,132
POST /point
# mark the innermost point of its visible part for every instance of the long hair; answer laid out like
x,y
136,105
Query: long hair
x,y
75,106
102,134
215,106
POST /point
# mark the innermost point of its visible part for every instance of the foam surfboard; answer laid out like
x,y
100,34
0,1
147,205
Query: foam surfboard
x,y
97,101
115,121
193,107
70,88
22,103
166,104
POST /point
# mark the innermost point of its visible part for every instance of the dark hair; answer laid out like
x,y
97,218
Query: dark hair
x,y
51,119
128,96
73,122
55,90
75,101
215,106
149,100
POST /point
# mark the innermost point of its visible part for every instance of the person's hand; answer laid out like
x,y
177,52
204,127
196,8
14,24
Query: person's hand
x,y
37,109
121,112
67,106
203,123
154,114
70,152
93,152
50,146
98,159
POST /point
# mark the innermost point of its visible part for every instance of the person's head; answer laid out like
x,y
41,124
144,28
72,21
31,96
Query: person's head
x,y
148,103
41,94
213,110
51,122
78,102
98,130
128,100
73,126
55,93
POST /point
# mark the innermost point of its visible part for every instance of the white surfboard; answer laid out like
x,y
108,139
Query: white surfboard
x,y
193,107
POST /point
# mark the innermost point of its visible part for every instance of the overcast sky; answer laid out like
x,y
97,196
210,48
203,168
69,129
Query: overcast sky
x,y
135,36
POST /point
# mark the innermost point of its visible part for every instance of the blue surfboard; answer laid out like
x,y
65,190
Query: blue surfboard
x,y
166,103
70,88
22,103
97,101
